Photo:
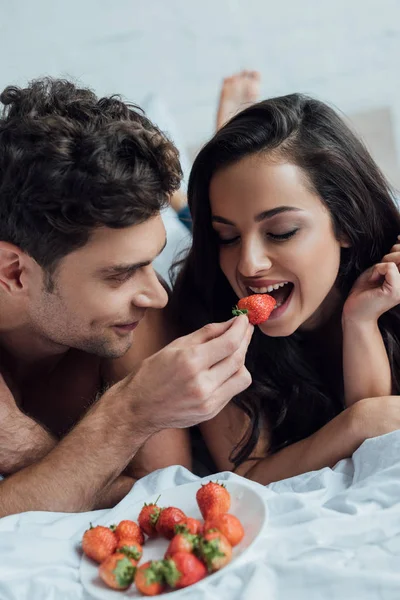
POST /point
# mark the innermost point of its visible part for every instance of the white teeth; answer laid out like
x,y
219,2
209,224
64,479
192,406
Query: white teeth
x,y
270,288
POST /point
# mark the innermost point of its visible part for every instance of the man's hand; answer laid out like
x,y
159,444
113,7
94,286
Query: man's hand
x,y
191,379
22,440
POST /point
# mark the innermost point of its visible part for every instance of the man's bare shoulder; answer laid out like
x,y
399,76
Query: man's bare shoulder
x,y
152,334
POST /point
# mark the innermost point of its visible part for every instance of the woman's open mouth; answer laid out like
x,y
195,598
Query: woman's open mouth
x,y
282,292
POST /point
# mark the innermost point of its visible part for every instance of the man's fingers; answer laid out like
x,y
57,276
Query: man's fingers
x,y
231,388
227,367
228,343
206,333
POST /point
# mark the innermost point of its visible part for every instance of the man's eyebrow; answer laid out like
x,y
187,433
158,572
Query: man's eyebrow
x,y
266,214
126,268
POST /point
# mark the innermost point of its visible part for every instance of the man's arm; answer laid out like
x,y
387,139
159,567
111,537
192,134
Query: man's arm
x,y
186,383
22,440
170,446
74,474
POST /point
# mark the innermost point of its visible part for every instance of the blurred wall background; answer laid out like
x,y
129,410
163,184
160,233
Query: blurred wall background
x,y
342,51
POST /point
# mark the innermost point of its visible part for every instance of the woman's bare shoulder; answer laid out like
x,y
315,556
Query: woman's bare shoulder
x,y
224,432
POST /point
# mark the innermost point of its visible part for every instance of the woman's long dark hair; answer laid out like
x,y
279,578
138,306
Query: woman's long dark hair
x,y
290,388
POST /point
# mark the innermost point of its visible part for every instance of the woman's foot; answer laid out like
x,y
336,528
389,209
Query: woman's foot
x,y
237,92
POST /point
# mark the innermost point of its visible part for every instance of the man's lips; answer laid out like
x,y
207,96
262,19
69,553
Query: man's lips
x,y
127,326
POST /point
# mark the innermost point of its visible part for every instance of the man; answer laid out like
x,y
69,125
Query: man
x,y
86,402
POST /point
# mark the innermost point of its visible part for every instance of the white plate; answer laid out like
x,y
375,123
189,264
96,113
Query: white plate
x,y
246,504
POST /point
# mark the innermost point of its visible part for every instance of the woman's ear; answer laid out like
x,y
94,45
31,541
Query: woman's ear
x,y
344,241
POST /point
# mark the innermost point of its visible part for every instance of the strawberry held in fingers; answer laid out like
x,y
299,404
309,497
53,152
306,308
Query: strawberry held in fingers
x,y
257,307
117,571
212,499
99,542
183,569
167,520
228,525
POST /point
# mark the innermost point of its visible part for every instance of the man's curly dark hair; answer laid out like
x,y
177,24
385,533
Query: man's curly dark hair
x,y
70,162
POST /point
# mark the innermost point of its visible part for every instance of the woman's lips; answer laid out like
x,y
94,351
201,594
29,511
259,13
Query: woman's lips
x,y
280,309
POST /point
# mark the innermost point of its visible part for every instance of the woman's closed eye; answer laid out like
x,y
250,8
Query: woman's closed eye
x,y
281,237
276,237
227,240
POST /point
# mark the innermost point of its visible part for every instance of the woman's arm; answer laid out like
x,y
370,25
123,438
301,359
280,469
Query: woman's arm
x,y
338,439
366,367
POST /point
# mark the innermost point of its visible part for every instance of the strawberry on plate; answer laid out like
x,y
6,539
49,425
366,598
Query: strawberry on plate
x,y
215,550
183,569
257,307
149,578
117,571
130,548
212,499
182,542
167,520
189,525
98,542
129,530
228,525
148,518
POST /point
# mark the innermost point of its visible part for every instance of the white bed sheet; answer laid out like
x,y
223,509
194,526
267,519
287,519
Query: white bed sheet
x,y
332,534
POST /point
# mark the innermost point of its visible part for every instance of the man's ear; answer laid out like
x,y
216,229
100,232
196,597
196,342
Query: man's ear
x,y
12,265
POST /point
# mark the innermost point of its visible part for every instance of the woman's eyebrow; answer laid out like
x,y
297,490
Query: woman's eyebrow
x,y
266,214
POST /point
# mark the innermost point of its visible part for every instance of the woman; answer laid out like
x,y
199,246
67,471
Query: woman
x,y
286,200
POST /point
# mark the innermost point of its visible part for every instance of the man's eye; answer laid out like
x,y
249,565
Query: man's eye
x,y
282,236
121,277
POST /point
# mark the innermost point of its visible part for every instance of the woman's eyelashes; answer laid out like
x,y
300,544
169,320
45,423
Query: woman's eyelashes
x,y
276,237
282,236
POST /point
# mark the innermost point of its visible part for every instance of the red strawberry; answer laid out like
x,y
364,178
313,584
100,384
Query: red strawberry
x,y
228,525
183,569
167,520
148,517
182,542
149,578
257,307
117,571
130,548
128,529
189,525
215,550
213,498
98,542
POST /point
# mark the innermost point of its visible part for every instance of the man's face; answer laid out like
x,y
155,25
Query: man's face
x,y
101,291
